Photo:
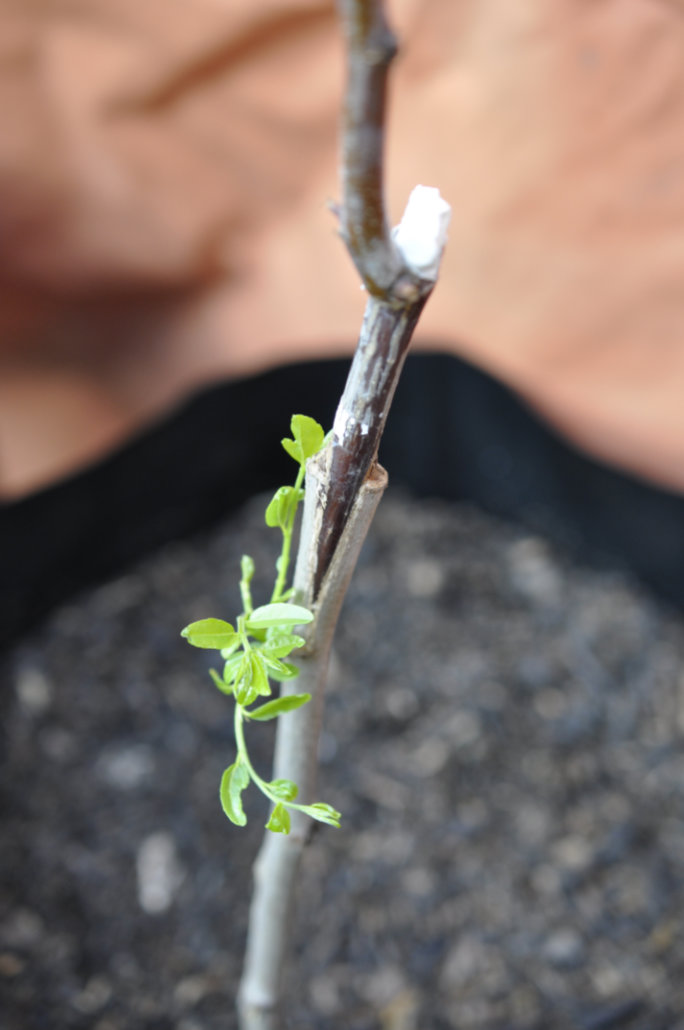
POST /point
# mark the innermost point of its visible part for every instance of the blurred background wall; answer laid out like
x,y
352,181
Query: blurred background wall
x,y
165,170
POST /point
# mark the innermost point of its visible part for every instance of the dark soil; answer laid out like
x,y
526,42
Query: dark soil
x,y
504,735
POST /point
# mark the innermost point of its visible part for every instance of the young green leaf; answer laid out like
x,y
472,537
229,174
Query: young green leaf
x,y
284,501
247,568
274,512
280,642
224,687
307,439
211,633
285,789
246,575
277,651
233,667
259,674
323,813
278,614
281,671
280,820
226,652
245,691
233,782
279,705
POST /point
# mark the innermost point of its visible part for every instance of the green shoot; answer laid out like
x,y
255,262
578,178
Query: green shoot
x,y
255,648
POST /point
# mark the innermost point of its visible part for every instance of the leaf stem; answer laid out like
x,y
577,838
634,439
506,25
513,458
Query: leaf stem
x,y
242,633
245,589
244,755
283,562
264,787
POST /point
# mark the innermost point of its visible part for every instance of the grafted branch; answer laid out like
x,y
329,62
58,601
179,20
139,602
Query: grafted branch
x,y
397,287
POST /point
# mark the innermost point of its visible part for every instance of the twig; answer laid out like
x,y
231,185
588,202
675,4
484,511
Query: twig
x,y
370,49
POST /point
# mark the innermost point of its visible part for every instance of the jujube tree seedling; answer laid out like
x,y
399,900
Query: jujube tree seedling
x,y
344,483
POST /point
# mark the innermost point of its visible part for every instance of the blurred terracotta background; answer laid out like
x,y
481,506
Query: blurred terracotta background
x,y
165,169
